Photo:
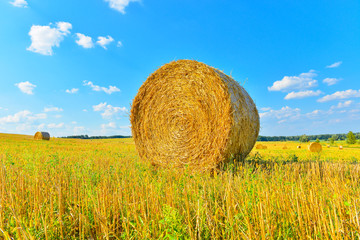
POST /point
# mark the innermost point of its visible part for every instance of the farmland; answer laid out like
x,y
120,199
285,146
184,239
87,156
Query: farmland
x,y
100,189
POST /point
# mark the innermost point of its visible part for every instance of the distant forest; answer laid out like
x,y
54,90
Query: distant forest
x,y
96,137
321,137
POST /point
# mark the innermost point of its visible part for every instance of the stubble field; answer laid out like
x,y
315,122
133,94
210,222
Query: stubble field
x,y
100,189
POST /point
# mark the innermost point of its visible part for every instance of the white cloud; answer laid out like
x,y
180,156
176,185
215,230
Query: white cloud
x,y
104,41
84,41
22,116
302,94
26,87
79,130
58,116
303,81
53,109
343,104
109,90
265,108
334,65
85,110
283,114
19,3
109,125
54,125
119,44
340,95
108,110
41,126
44,38
73,122
331,81
72,91
119,5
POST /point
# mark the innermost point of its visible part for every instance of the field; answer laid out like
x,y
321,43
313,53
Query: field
x,y
99,189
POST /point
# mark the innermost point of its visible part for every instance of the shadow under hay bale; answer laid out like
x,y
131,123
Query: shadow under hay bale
x,y
189,114
315,147
42,136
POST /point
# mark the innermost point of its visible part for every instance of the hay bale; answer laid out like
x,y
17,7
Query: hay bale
x,y
259,146
42,136
285,147
328,146
341,147
298,147
264,147
189,114
315,147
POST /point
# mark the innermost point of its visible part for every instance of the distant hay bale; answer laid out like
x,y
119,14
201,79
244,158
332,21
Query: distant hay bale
x,y
298,146
189,114
285,147
42,136
341,147
264,147
328,146
260,146
315,147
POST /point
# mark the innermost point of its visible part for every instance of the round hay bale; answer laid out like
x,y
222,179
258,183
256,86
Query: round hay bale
x,y
328,146
284,147
189,114
315,147
42,136
259,146
298,147
341,147
264,147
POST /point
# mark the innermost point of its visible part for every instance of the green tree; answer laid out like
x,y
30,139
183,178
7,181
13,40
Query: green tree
x,y
331,140
335,137
304,138
317,140
351,139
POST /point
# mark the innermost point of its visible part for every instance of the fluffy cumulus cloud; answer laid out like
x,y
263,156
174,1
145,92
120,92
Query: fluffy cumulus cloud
x,y
282,115
119,44
109,90
107,110
104,41
53,109
302,94
44,38
26,87
334,65
72,91
343,104
19,3
300,82
84,41
341,95
119,5
331,81
22,116
54,125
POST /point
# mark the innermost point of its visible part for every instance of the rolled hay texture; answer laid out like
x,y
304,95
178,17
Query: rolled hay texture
x,y
42,136
189,114
315,147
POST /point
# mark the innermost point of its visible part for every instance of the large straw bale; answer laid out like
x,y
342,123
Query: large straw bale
x,y
315,147
189,114
42,136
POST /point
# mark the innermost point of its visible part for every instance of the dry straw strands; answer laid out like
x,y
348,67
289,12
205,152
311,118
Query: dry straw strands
x,y
42,136
189,114
315,147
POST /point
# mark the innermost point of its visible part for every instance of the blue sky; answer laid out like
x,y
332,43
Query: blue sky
x,y
73,67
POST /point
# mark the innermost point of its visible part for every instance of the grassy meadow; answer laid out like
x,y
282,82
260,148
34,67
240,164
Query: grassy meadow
x,y
100,189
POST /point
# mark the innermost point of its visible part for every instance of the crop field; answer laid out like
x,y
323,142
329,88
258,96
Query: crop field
x,y
100,189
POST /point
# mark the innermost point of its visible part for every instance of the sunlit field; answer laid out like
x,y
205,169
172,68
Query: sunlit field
x,y
100,189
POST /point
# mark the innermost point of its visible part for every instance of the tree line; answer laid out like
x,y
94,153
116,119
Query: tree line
x,y
350,137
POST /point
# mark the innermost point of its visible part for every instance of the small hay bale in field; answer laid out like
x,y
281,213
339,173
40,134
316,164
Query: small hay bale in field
x,y
259,146
285,147
298,147
341,147
328,146
42,136
189,114
264,147
315,147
